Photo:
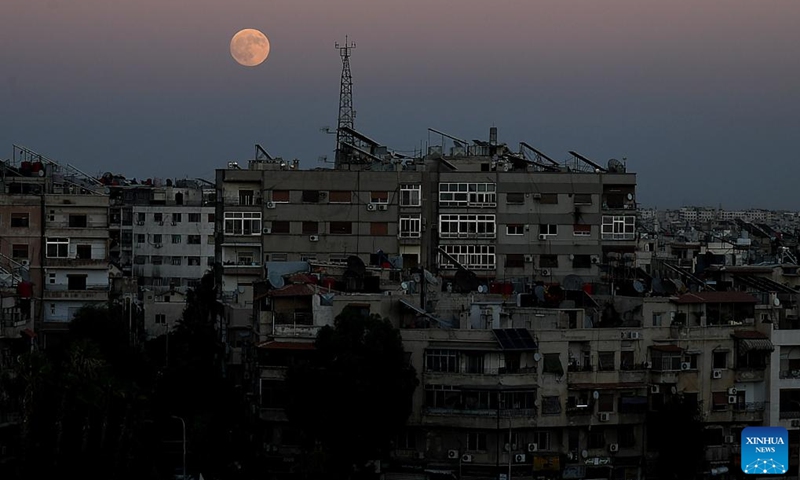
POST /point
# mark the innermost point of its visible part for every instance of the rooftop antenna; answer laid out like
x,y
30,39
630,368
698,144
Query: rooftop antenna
x,y
346,112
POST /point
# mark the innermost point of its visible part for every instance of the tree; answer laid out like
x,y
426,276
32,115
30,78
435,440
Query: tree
x,y
677,460
354,397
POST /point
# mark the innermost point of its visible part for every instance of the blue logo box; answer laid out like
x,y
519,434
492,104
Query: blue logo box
x,y
765,450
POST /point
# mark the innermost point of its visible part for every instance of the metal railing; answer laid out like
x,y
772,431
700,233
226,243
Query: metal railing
x,y
750,407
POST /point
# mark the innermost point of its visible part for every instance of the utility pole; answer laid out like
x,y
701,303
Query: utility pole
x,y
346,112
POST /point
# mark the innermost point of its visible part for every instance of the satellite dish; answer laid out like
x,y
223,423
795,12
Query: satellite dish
x,y
638,286
658,287
680,285
404,285
430,278
595,394
616,166
276,280
416,277
537,357
585,454
776,301
573,282
483,289
630,196
669,287
356,265
539,292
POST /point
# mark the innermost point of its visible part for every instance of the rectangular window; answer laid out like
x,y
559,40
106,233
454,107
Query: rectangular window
x,y
310,196
476,442
515,229
466,226
467,195
140,238
475,362
177,218
77,221
280,227
551,405
379,228
410,195
720,360
542,439
158,218
548,261
340,196
437,360
310,228
280,196
605,402
618,227
552,364
581,230
193,239
658,318
606,361
246,197
583,199
379,197
140,259
626,436
478,257
719,400
515,198
211,217
157,238
627,360
515,260
57,247
194,218
242,223
157,260
140,217
19,251
341,228
176,239
597,439
83,251
176,260
19,220
664,362
76,282
549,198
410,226
581,261
549,230
161,319
193,261
210,240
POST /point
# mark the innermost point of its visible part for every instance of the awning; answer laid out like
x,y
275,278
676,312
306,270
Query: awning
x,y
274,345
755,344
518,339
666,348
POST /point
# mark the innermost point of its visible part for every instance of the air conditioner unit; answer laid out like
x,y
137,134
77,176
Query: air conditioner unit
x,y
383,208
370,207
537,196
519,458
732,399
603,416
542,236
158,245
533,447
270,204
796,423
634,335
595,259
466,458
728,438
421,455
655,389
716,374
732,391
613,447
528,258
572,456
452,454
648,365
686,365
313,238
266,230
545,272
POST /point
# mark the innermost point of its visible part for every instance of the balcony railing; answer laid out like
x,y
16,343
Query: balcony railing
x,y
750,407
572,367
579,410
789,414
789,374
488,412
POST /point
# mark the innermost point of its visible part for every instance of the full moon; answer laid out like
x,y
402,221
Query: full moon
x,y
249,47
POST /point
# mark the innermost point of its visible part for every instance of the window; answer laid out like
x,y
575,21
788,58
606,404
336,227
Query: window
x,y
476,442
177,218
210,240
140,238
76,282
581,261
194,218
341,228
581,230
310,228
606,361
515,198
379,197
158,218
280,227
515,229
720,400
627,360
466,226
626,436
193,239
157,259
57,247
666,361
280,196
583,199
605,402
542,439
77,221
176,260
84,251
548,229
19,251
311,196
140,217
211,218
511,360
548,261
475,363
658,318
720,360
140,259
157,238
620,227
515,260
242,223
478,257
597,439
549,198
438,360
339,196
246,197
552,364
379,228
161,319
193,261
176,239
406,440
551,405
410,226
210,261
19,220
410,195
467,195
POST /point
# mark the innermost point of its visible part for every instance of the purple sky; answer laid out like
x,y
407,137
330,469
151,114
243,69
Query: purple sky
x,y
701,96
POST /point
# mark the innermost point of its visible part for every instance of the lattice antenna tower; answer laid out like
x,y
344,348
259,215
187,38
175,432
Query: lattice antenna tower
x,y
346,112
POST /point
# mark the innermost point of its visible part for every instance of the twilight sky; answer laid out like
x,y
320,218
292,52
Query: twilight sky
x,y
702,97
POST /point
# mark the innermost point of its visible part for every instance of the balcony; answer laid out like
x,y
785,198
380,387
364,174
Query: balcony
x,y
77,262
718,453
749,375
242,268
295,330
93,295
749,412
488,377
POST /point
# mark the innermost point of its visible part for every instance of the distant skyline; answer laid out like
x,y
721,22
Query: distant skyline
x,y
701,98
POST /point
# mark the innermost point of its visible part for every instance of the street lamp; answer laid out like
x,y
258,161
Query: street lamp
x,y
183,425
